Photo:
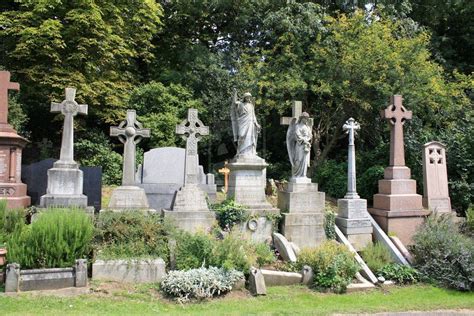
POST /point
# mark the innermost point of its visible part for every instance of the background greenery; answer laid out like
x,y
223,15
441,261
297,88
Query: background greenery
x,y
341,58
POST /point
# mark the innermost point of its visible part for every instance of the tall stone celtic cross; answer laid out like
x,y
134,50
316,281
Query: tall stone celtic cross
x,y
191,130
350,128
69,108
397,115
130,132
5,85
296,111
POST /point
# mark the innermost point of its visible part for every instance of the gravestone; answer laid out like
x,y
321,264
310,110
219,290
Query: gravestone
x,y
397,208
65,179
11,146
435,176
353,217
162,174
190,211
128,196
301,203
35,176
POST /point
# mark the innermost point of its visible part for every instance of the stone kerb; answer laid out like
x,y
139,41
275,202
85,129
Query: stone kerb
x,y
130,271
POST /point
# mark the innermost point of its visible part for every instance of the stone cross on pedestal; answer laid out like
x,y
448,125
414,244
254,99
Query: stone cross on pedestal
x,y
130,132
191,130
296,111
351,127
5,85
225,171
69,108
396,114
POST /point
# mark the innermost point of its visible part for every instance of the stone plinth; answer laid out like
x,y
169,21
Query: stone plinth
x,y
303,213
247,183
128,197
131,271
64,188
354,221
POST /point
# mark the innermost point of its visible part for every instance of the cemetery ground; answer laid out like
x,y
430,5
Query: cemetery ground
x,y
113,298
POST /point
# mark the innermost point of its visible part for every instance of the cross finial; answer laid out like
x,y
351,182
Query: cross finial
x,y
351,127
5,85
296,111
397,115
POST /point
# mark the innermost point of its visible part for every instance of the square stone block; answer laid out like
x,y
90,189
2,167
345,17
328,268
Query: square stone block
x,y
191,221
398,202
301,201
355,230
128,198
131,271
304,229
440,205
353,223
352,208
403,186
397,173
49,200
62,181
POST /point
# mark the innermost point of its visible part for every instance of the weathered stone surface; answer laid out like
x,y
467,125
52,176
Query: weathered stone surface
x,y
358,287
128,198
245,127
403,250
352,208
279,278
131,271
308,275
298,142
435,176
11,146
301,198
259,228
257,282
284,247
360,241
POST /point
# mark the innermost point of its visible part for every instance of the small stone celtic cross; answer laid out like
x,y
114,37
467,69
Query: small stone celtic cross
x,y
435,156
191,129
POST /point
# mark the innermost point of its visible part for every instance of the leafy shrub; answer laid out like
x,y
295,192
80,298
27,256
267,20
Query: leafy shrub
x,y
130,235
55,240
10,221
333,265
332,178
399,273
199,283
443,254
232,252
330,224
368,182
229,213
467,227
376,256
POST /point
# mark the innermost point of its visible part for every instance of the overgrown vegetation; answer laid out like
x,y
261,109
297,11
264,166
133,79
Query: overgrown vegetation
x,y
10,221
444,255
230,213
330,224
199,283
54,240
401,274
376,256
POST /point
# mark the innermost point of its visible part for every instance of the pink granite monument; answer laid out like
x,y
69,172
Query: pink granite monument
x,y
397,208
435,178
11,145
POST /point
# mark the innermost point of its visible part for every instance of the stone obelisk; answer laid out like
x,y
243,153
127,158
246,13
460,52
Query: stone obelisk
x,y
11,146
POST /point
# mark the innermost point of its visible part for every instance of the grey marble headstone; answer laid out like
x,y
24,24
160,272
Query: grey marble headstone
x,y
35,175
162,174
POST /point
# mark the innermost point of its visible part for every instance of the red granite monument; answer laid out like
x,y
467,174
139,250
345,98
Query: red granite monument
x,y
397,207
11,145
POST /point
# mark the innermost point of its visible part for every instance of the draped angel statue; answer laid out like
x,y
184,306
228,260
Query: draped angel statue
x,y
244,125
298,142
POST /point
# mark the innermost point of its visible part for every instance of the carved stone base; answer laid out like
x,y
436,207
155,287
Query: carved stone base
x,y
15,194
354,222
191,221
64,189
438,205
128,198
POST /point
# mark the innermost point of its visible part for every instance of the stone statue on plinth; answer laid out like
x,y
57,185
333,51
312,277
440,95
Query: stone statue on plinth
x,y
298,143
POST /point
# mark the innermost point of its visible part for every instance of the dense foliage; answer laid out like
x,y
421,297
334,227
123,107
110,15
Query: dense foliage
x,y
399,273
443,255
199,283
54,240
376,256
10,221
229,213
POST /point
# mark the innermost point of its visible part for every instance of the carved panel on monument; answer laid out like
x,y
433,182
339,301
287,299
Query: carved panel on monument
x,y
18,166
4,164
7,191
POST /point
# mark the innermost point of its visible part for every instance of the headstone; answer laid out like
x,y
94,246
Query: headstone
x,y
397,208
11,146
353,218
435,176
308,275
65,179
257,282
35,176
301,203
284,247
190,211
247,179
162,174
128,196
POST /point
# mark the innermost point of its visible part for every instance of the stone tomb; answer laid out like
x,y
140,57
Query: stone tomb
x,y
435,176
353,218
397,208
162,174
11,146
65,179
35,176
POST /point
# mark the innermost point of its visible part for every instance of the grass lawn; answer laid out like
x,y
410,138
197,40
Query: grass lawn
x,y
140,300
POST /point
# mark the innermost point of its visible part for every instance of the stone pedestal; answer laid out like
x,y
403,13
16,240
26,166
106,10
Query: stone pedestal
x,y
128,197
247,183
397,208
354,222
65,187
303,213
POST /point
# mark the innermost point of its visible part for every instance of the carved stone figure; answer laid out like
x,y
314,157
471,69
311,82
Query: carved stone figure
x,y
244,125
298,142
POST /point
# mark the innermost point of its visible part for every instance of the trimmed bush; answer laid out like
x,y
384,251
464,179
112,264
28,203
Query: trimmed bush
x,y
333,265
54,240
444,255
10,221
376,256
193,250
199,283
122,235
229,213
399,273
